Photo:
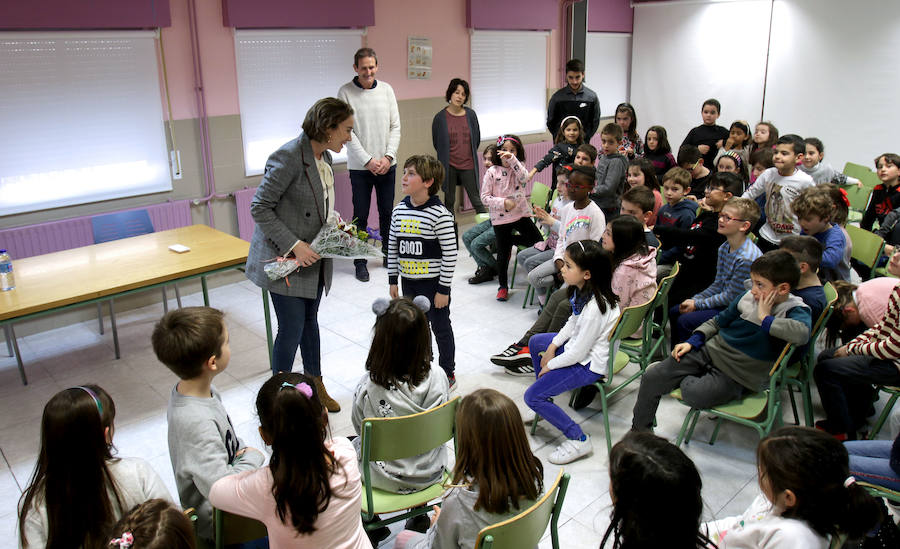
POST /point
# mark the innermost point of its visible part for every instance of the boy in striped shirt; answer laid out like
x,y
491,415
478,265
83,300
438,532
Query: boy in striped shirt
x,y
422,250
737,218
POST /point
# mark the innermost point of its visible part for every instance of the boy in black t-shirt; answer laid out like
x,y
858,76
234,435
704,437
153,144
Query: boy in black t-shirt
x,y
708,137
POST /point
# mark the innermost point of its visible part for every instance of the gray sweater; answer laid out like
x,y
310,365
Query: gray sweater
x,y
203,447
610,185
372,400
136,481
459,522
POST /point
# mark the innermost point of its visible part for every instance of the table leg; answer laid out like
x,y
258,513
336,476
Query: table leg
x,y
11,333
100,317
205,290
9,346
265,295
115,332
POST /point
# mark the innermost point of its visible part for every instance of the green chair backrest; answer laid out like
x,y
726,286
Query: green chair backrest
x,y
540,194
830,292
527,528
863,173
867,246
858,197
232,529
629,322
390,438
662,292
482,217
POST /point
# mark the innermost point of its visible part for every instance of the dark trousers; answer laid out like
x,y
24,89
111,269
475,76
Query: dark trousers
x,y
702,386
298,326
683,325
467,179
765,246
846,388
528,235
361,183
439,319
553,317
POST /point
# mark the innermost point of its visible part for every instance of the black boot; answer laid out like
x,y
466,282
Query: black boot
x,y
585,396
482,274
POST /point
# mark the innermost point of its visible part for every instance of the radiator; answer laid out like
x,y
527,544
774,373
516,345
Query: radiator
x,y
53,236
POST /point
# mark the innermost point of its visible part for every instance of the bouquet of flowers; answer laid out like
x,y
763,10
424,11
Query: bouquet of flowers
x,y
339,239
336,239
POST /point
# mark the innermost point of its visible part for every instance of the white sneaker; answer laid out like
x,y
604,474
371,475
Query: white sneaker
x,y
570,450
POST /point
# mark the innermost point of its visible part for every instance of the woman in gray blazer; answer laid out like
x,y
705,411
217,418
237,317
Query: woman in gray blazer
x,y
293,201
456,136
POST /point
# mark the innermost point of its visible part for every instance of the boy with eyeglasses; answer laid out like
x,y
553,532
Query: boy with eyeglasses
x,y
734,257
690,158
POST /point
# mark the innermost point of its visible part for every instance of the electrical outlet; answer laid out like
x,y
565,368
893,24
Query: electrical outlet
x,y
175,160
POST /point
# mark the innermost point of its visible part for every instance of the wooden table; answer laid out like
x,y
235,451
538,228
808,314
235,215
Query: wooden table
x,y
55,282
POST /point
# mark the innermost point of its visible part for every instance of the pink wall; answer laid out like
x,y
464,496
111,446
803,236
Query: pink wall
x,y
610,16
445,25
216,57
395,20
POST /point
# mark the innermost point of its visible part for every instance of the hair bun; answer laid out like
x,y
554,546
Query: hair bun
x,y
422,303
380,305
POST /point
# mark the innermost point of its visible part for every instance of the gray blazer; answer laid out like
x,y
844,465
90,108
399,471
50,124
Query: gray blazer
x,y
288,206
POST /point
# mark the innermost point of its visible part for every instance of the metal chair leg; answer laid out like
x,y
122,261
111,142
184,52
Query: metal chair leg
x,y
115,332
9,345
100,316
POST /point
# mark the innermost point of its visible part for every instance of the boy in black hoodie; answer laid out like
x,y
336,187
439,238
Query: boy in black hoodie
x,y
677,212
699,243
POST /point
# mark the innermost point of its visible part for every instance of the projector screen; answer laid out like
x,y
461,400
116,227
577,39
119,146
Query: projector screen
x,y
833,75
685,53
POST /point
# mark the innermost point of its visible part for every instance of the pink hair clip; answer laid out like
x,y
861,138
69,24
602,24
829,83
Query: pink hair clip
x,y
302,387
126,541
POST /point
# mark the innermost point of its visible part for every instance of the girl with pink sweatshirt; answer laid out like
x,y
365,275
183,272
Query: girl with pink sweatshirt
x,y
503,192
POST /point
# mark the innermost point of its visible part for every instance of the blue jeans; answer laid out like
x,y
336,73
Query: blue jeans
x,y
870,460
298,326
361,183
553,383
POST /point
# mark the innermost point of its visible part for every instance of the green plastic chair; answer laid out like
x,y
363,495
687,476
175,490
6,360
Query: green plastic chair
x,y
758,410
232,529
800,374
863,173
859,201
390,438
867,247
482,217
527,528
643,349
540,196
886,412
629,321
880,491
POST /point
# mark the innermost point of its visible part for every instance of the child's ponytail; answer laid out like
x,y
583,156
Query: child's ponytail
x,y
856,520
293,421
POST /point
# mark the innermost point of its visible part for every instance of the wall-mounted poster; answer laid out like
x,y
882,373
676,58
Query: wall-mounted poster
x,y
419,52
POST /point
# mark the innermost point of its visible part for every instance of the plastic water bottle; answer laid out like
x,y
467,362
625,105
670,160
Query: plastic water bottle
x,y
7,282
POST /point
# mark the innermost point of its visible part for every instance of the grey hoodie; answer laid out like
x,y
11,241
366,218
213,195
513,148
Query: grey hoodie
x,y
372,400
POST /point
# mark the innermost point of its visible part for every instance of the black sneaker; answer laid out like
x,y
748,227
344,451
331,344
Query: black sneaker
x,y
418,523
520,368
509,354
483,274
362,272
585,396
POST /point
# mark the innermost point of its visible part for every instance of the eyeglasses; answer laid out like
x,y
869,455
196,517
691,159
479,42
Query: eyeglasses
x,y
728,219
709,190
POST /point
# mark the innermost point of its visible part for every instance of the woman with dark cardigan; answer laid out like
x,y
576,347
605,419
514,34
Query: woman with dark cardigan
x,y
456,136
293,201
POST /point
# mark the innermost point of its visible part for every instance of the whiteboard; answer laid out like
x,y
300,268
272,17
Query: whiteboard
x,y
608,69
685,53
833,75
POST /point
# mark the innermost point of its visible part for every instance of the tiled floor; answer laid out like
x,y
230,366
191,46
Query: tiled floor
x,y
140,386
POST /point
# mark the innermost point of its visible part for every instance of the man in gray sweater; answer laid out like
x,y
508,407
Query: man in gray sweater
x,y
203,446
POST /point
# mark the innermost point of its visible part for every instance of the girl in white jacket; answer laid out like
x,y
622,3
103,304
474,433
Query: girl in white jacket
x,y
578,354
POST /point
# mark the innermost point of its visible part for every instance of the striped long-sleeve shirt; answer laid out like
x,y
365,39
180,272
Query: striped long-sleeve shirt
x,y
732,269
422,243
883,339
